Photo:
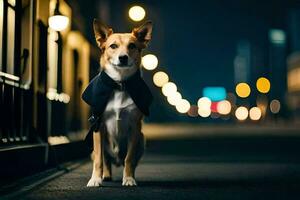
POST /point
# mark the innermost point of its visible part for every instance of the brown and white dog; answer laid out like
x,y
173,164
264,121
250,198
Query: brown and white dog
x,y
120,129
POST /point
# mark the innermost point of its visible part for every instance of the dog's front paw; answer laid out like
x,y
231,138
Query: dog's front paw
x,y
94,182
129,181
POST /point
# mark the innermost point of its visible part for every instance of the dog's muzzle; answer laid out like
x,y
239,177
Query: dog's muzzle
x,y
123,61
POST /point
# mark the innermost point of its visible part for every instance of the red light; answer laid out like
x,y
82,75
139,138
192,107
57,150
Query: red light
x,y
214,106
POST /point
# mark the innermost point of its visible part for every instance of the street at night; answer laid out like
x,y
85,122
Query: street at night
x,y
149,99
226,167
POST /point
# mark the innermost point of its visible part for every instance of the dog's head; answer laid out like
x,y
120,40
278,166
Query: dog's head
x,y
121,52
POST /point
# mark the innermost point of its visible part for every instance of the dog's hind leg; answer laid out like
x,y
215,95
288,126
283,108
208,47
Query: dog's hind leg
x,y
96,179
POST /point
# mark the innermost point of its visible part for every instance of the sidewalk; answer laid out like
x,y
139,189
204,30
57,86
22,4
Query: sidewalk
x,y
176,177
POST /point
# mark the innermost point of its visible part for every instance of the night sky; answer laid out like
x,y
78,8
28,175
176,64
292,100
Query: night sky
x,y
195,41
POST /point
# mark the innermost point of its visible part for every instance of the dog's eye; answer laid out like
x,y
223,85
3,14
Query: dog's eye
x,y
131,46
113,46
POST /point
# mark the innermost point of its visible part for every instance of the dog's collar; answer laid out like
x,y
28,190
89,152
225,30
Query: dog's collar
x,y
119,85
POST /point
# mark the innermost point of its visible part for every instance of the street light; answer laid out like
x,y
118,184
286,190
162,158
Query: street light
x,y
149,61
57,21
137,13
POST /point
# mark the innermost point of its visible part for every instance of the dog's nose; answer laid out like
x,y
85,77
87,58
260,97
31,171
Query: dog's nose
x,y
123,60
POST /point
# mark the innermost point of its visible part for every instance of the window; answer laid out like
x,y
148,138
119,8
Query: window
x,y
16,38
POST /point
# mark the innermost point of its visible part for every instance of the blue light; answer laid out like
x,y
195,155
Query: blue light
x,y
214,93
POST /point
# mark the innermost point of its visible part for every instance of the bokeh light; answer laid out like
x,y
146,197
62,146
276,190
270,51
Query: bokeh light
x,y
214,93
241,113
149,61
204,111
169,88
204,102
160,78
263,85
137,13
255,113
174,98
242,90
183,106
275,106
58,22
224,107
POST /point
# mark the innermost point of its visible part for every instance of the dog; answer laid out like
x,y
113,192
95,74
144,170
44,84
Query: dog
x,y
119,139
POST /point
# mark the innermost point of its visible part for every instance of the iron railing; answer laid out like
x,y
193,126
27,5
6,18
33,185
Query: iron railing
x,y
15,110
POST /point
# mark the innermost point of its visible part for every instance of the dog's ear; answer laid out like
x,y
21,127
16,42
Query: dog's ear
x,y
101,32
143,33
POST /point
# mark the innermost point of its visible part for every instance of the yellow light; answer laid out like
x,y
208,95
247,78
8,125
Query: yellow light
x,y
137,13
263,85
174,98
275,106
204,112
58,22
241,113
169,88
149,61
183,106
242,90
204,103
255,113
224,107
160,78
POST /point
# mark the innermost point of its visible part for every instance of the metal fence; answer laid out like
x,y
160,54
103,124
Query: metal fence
x,y
16,102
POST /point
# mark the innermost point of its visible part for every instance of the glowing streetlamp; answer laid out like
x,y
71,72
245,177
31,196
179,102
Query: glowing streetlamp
x,y
263,85
255,113
242,90
160,78
183,106
169,88
224,107
241,113
149,61
137,13
57,21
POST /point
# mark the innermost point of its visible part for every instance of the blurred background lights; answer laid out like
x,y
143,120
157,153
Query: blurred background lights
x,y
242,90
58,22
215,93
137,13
160,78
169,88
183,106
255,113
263,85
224,107
277,36
174,98
204,112
275,106
204,102
149,61
241,113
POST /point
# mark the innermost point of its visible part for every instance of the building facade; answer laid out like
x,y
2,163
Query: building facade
x,y
42,75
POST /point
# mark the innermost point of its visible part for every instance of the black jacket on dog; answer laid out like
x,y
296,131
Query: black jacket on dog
x,y
100,89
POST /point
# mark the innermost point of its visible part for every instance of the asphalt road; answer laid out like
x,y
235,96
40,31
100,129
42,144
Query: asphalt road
x,y
231,167
181,177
